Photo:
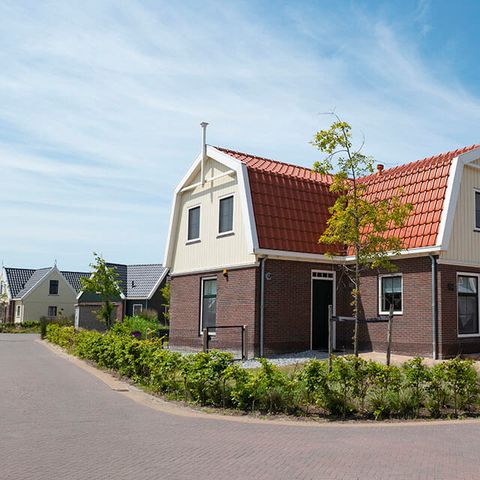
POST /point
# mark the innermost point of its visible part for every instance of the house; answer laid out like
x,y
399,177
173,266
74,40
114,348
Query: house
x,y
140,287
31,294
243,250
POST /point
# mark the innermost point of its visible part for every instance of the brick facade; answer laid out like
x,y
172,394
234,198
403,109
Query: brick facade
x,y
288,308
237,304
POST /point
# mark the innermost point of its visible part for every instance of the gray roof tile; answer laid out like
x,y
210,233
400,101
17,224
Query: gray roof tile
x,y
73,278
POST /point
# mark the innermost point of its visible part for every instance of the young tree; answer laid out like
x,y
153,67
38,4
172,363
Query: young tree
x,y
166,302
357,223
104,281
3,300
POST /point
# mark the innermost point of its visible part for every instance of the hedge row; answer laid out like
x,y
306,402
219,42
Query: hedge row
x,y
354,388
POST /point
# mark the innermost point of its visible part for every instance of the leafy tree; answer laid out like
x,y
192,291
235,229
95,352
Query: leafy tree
x,y
357,223
166,302
104,281
3,300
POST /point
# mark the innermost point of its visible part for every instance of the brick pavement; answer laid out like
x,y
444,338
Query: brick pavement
x,y
57,421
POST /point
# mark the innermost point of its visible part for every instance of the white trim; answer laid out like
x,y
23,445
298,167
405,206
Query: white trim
x,y
469,335
452,194
208,179
203,280
218,268
137,305
307,257
332,279
456,263
159,282
36,285
473,165
228,232
196,239
476,191
389,275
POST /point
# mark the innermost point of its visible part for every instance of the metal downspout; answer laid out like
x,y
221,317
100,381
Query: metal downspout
x,y
262,304
434,306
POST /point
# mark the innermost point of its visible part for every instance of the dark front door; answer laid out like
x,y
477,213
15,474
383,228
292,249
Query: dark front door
x,y
322,293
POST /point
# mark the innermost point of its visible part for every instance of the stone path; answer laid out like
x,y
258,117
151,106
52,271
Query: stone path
x,y
57,421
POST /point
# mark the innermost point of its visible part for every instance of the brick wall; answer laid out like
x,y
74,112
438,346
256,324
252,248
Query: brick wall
x,y
237,301
449,343
287,326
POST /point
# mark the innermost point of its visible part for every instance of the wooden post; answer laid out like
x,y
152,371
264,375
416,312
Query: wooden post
x,y
330,337
245,343
389,334
205,340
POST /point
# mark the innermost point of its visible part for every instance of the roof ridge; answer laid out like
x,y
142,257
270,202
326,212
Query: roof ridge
x,y
327,177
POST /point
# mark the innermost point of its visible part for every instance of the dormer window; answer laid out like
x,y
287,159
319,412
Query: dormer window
x,y
53,287
193,228
225,224
477,209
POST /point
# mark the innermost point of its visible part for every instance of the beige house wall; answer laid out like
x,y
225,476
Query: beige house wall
x,y
464,246
36,302
212,251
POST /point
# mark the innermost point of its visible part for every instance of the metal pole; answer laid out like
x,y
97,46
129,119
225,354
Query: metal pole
x,y
243,342
262,304
434,306
389,334
204,151
205,340
330,336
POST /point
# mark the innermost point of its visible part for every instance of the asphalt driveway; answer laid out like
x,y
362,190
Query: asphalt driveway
x,y
57,421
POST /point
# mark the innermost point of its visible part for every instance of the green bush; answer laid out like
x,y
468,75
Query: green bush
x,y
147,327
353,386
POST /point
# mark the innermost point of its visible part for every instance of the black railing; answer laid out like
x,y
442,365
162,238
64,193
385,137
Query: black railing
x,y
210,335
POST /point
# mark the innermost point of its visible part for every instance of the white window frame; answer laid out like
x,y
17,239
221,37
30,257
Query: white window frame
x,y
204,279
232,231
475,192
389,275
194,240
469,274
330,275
137,305
50,285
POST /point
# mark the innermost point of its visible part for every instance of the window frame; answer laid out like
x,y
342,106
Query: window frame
x,y
197,239
48,311
476,191
380,293
50,287
232,230
203,280
18,313
137,305
477,276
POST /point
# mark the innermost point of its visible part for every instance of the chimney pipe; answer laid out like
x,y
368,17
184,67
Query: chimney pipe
x,y
204,151
380,168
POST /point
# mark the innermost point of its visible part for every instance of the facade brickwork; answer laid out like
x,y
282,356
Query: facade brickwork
x,y
237,304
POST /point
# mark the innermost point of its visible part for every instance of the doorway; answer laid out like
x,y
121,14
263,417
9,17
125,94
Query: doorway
x,y
323,288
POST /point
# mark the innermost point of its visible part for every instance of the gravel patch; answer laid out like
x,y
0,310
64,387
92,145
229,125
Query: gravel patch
x,y
287,359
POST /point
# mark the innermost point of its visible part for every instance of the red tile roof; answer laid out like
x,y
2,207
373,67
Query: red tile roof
x,y
291,203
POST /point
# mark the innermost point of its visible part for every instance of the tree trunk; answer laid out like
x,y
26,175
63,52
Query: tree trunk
x,y
356,306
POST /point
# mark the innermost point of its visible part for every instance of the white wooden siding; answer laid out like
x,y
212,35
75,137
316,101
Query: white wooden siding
x,y
465,241
211,251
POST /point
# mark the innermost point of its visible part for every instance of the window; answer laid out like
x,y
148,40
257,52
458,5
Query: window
x,y
391,287
53,287
18,310
193,224
52,311
208,314
225,224
137,308
477,210
467,291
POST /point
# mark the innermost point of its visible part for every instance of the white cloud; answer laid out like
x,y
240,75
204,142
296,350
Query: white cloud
x,y
101,102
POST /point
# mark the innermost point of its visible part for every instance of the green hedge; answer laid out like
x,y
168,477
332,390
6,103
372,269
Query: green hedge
x,y
355,388
24,327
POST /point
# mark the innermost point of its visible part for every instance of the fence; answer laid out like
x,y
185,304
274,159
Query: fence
x,y
230,338
382,319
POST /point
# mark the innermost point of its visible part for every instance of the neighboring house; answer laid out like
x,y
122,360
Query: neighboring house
x,y
33,294
243,250
140,289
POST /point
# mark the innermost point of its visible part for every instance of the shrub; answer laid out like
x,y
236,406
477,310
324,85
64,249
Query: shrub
x,y
148,328
148,314
417,375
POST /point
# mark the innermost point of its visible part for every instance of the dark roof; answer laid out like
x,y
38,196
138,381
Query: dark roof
x,y
138,281
73,278
21,280
17,279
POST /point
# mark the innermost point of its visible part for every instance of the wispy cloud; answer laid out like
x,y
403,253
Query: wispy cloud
x,y
101,102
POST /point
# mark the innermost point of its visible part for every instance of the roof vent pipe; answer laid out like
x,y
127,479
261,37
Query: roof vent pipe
x,y
204,151
380,168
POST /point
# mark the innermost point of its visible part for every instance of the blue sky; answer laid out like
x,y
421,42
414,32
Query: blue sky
x,y
100,103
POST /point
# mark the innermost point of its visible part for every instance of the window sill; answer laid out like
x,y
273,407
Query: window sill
x,y
53,294
226,234
469,335
194,240
395,314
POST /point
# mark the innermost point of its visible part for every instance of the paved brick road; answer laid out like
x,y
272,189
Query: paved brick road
x,y
59,422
